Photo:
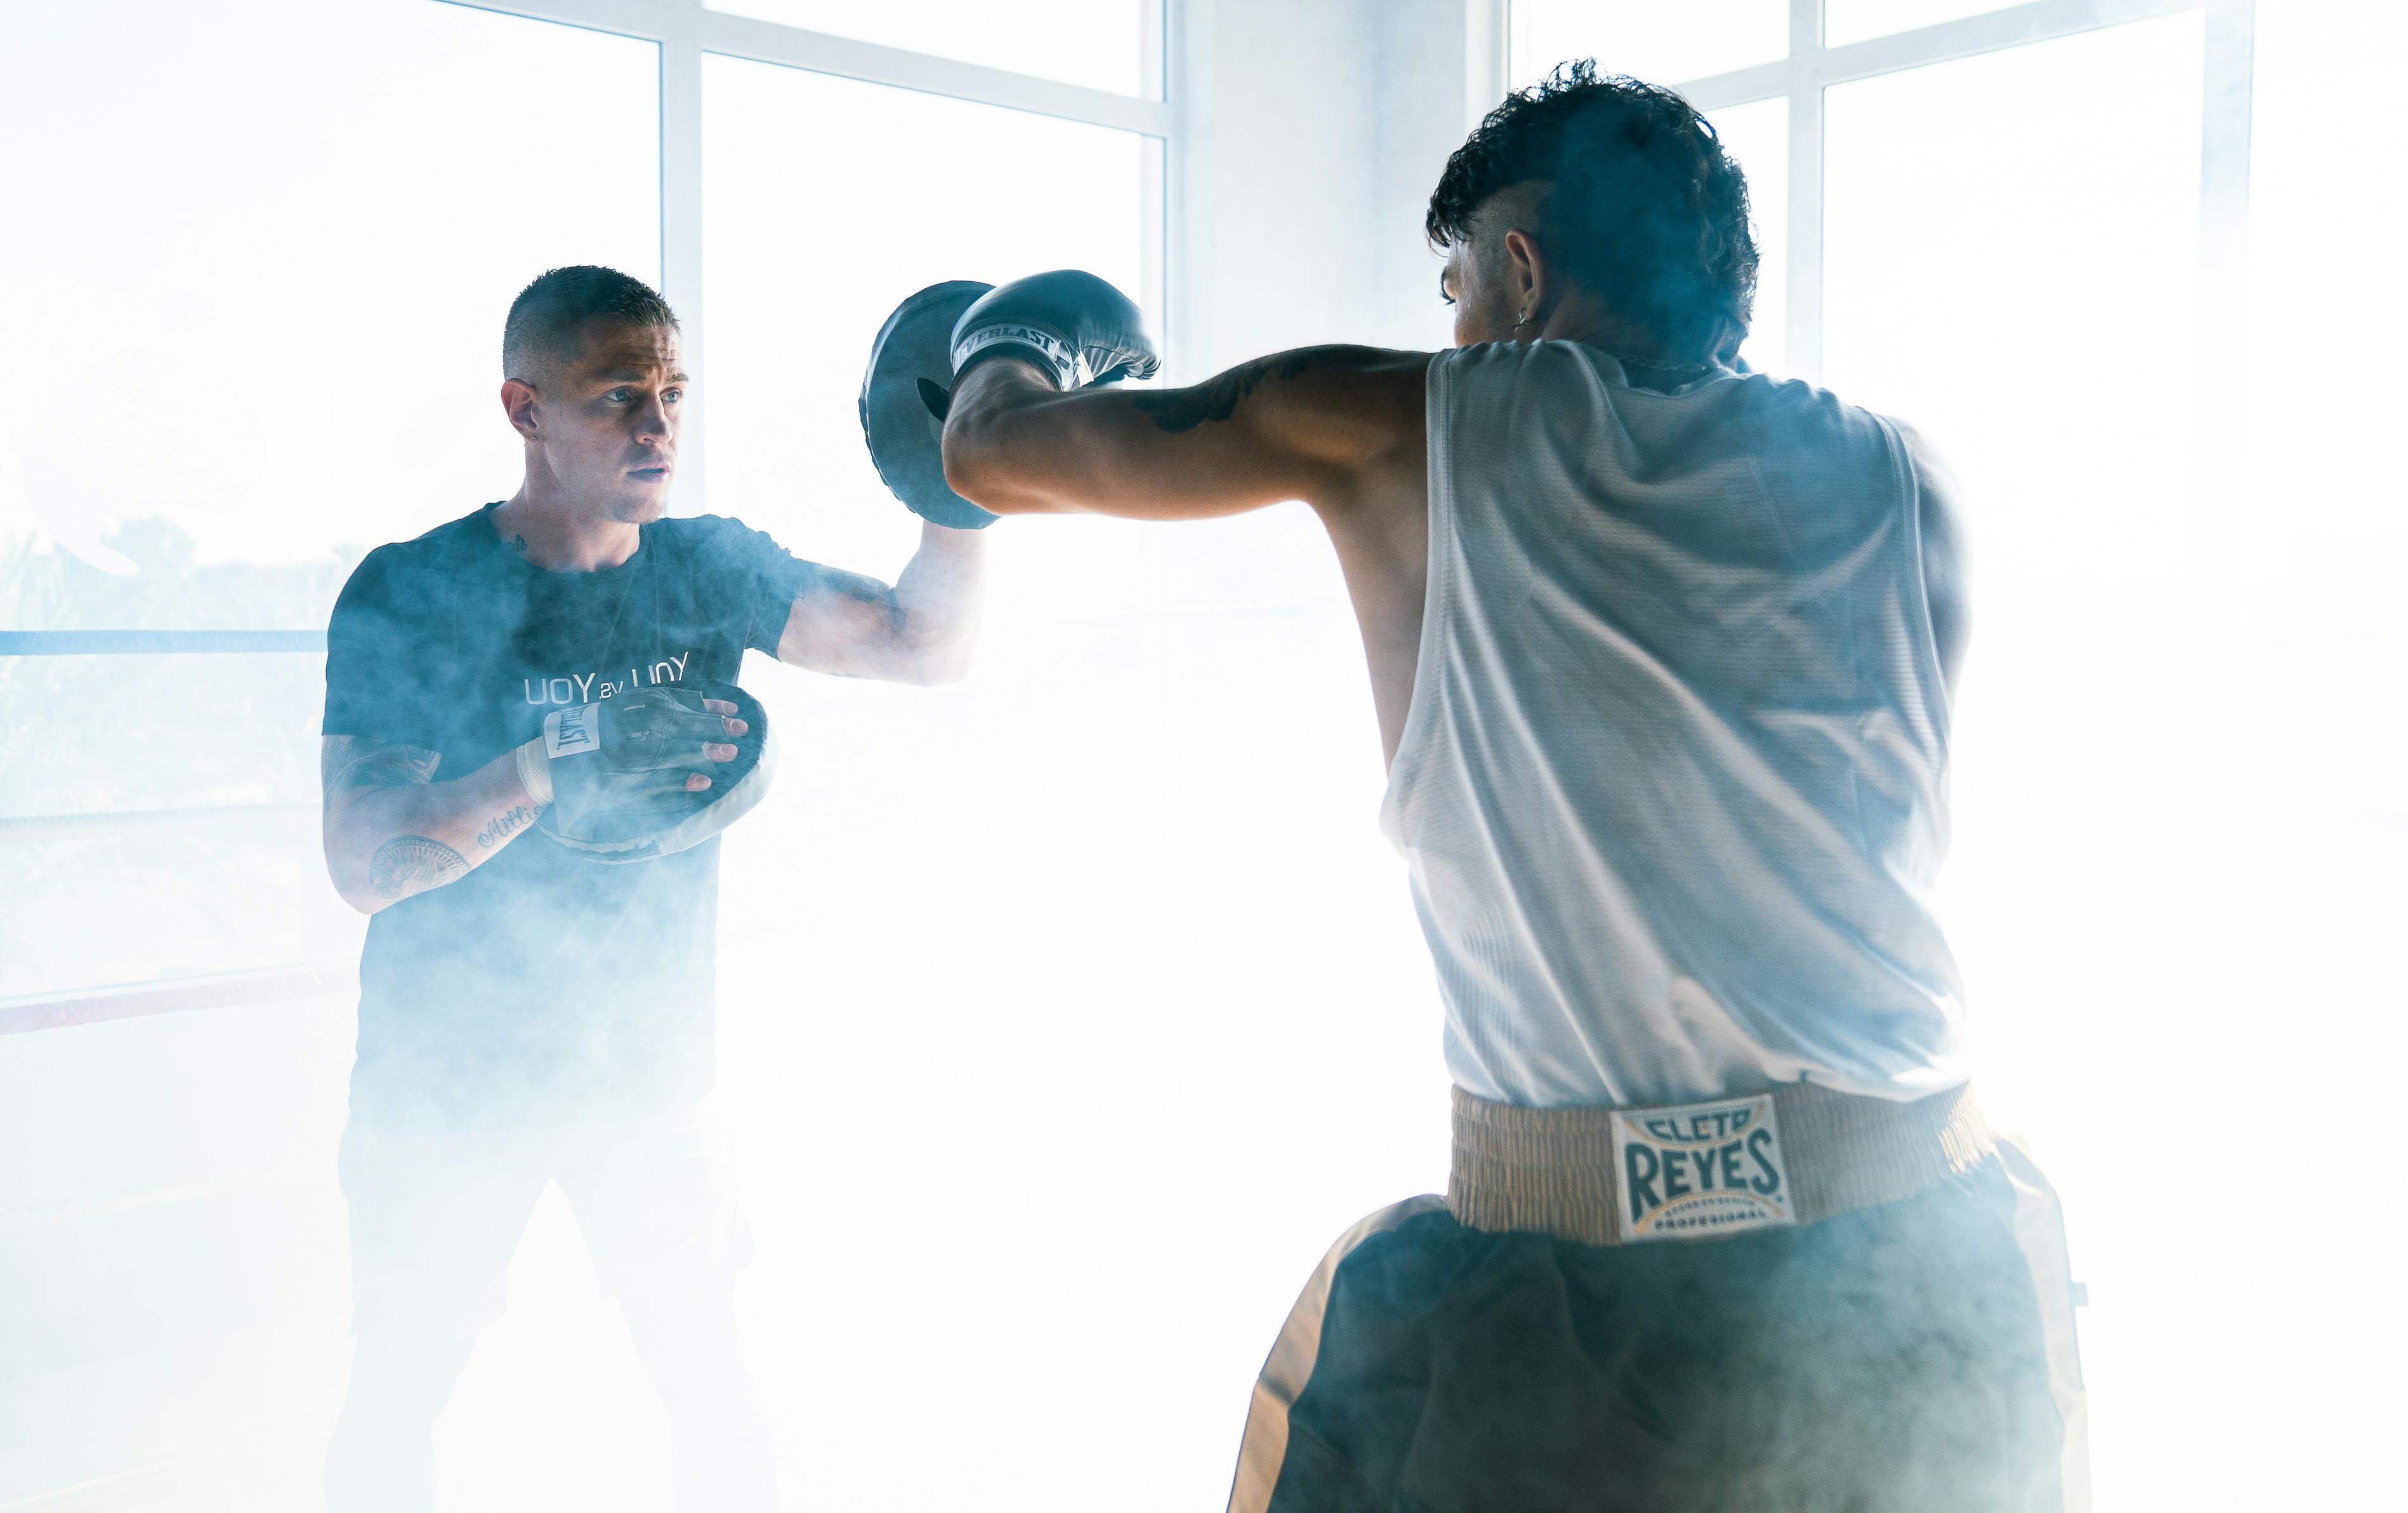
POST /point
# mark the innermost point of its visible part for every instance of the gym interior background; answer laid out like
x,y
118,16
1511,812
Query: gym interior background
x,y
2133,263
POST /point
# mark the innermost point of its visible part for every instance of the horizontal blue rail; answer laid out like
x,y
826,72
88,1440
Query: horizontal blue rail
x,y
120,642
329,977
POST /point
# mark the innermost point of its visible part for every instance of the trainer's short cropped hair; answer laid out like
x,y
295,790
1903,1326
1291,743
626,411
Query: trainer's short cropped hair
x,y
1647,207
542,331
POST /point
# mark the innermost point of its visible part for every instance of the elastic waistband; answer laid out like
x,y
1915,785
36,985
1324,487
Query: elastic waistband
x,y
1552,1171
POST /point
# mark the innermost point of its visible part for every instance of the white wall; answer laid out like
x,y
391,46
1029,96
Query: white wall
x,y
1315,133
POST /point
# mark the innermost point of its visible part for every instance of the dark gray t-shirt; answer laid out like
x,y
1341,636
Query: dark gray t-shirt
x,y
543,988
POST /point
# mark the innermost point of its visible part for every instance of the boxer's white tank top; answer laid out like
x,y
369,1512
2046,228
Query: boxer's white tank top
x,y
1673,787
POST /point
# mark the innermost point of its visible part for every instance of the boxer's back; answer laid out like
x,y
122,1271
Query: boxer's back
x,y
1673,786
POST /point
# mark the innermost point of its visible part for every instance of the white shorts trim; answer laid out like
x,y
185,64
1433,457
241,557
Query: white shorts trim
x,y
1264,1450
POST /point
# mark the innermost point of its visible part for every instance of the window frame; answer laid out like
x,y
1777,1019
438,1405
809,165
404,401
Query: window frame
x,y
1811,68
686,30
683,31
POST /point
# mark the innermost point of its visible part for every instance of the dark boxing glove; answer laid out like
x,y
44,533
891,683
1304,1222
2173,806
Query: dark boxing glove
x,y
1077,328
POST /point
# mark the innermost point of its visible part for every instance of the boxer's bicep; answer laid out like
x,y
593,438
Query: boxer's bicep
x,y
1294,425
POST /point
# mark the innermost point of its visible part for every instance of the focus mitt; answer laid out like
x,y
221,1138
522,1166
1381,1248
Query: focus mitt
x,y
903,400
619,769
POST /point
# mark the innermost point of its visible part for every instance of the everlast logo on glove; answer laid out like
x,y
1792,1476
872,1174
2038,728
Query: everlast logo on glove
x,y
573,731
1701,1170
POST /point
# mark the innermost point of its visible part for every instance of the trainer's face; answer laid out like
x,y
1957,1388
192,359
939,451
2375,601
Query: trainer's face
x,y
608,430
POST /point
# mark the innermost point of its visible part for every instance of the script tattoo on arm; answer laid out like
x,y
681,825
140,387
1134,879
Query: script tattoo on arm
x,y
1183,409
505,824
408,864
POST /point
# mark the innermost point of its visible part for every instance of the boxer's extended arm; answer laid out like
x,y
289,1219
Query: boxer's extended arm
x,y
391,830
1329,425
920,630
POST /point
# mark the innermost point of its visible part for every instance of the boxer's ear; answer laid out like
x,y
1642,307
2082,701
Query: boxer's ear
x,y
1528,282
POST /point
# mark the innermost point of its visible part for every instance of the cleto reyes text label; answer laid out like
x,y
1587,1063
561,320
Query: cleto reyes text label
x,y
1699,1170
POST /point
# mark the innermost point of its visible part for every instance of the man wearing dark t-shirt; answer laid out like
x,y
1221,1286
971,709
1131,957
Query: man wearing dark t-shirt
x,y
529,1014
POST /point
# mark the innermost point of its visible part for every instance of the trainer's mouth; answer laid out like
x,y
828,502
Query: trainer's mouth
x,y
648,475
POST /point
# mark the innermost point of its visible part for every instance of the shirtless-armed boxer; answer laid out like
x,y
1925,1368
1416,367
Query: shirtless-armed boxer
x,y
1662,652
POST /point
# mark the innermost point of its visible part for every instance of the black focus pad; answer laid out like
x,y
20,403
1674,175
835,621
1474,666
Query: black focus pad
x,y
903,399
654,816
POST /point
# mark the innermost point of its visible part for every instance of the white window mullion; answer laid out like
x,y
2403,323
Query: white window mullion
x,y
796,46
2223,149
1804,338
792,47
2225,118
682,228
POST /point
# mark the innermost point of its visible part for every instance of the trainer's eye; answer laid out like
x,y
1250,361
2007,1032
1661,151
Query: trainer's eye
x,y
1443,298
620,397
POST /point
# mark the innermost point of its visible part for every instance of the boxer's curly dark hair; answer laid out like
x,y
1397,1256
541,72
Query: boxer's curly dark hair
x,y
1647,207
545,318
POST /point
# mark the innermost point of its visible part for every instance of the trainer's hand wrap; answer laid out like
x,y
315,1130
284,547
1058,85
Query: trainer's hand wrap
x,y
619,767
535,771
1077,328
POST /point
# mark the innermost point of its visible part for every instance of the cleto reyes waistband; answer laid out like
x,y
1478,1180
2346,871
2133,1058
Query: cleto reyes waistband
x,y
1701,1171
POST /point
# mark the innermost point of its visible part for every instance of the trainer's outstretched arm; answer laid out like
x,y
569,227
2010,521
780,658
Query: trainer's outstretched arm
x,y
1312,425
919,629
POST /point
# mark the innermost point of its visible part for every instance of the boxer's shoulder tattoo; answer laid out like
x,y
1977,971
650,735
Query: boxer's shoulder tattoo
x,y
358,762
1183,409
505,824
408,864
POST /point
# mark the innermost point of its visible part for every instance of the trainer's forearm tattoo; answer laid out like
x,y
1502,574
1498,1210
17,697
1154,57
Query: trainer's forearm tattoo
x,y
505,824
355,762
1183,409
408,864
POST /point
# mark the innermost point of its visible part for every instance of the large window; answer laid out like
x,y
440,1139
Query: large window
x,y
259,251
259,334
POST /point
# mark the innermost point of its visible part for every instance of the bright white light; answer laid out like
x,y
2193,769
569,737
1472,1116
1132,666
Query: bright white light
x,y
1033,990
1111,44
1067,1013
1853,21
2178,846
279,241
1661,44
1758,138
